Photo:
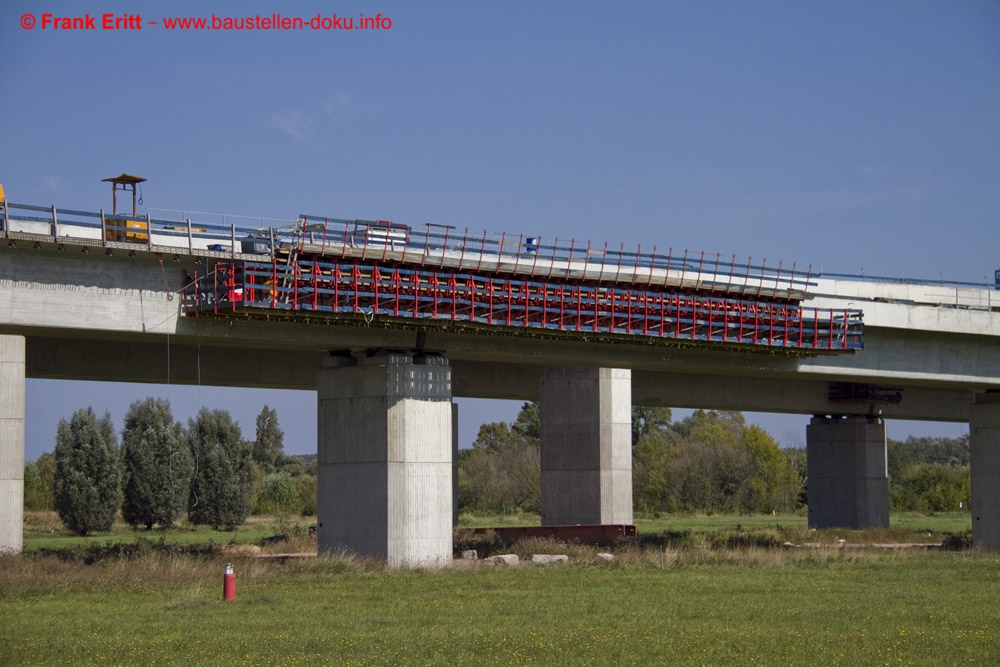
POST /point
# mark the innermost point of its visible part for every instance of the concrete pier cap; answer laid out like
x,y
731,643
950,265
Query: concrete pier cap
x,y
385,448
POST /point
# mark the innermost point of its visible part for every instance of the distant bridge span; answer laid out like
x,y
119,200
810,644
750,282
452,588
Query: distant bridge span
x,y
466,316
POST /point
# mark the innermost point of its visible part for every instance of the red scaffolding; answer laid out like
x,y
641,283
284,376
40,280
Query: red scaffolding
x,y
410,295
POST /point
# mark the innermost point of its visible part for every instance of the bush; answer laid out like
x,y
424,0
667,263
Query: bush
x,y
278,494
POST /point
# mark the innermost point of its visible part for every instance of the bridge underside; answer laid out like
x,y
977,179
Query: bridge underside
x,y
181,360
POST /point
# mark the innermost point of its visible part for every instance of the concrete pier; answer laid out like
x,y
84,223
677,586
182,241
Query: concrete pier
x,y
985,468
848,472
586,416
385,458
454,464
11,443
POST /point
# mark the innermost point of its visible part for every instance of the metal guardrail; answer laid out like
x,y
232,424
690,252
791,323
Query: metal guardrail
x,y
904,281
519,253
198,231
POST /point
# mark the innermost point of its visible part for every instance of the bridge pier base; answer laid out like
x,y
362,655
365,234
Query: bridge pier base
x,y
985,468
385,458
586,416
11,443
848,472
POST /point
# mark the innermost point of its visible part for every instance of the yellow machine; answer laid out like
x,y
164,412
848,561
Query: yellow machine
x,y
123,228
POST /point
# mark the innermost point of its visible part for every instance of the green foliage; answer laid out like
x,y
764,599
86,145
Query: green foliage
x,y
502,472
528,423
654,488
930,474
223,482
776,484
648,421
268,446
495,436
278,494
712,462
157,465
292,465
87,474
39,483
307,494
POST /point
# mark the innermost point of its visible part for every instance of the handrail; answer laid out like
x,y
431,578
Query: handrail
x,y
903,281
526,254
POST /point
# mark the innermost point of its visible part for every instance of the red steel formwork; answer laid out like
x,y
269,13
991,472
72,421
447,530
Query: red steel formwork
x,y
407,294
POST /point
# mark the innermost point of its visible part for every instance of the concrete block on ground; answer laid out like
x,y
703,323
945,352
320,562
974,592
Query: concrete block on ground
x,y
548,559
504,559
470,554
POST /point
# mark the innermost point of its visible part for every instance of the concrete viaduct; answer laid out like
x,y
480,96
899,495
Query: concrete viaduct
x,y
73,308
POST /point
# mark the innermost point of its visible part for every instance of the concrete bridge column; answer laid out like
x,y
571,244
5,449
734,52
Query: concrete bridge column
x,y
385,458
848,472
454,464
586,416
11,443
985,469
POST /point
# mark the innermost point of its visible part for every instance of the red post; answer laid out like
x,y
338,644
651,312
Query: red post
x,y
229,584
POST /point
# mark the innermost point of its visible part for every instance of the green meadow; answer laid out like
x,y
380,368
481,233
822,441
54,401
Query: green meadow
x,y
679,602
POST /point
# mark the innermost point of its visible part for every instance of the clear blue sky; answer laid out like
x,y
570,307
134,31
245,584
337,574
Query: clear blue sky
x,y
851,135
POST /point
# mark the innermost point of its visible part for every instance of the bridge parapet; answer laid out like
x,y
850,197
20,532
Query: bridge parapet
x,y
941,307
243,237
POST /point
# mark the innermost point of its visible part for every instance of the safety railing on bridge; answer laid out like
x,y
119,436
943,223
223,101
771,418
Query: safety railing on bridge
x,y
437,246
370,290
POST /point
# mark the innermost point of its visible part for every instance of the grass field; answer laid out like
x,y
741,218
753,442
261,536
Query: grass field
x,y
692,605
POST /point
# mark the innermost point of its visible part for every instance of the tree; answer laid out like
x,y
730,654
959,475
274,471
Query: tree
x,y
775,484
268,447
528,423
649,421
502,471
87,476
495,436
222,486
654,488
157,465
39,481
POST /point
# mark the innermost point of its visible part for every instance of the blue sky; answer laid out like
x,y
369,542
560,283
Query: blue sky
x,y
852,136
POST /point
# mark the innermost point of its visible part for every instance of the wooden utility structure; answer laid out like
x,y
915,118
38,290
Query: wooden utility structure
x,y
125,228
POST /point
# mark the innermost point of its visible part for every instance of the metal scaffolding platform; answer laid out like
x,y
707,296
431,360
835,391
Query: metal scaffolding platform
x,y
401,295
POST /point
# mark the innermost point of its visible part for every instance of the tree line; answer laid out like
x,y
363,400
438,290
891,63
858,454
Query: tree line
x,y
710,461
163,471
